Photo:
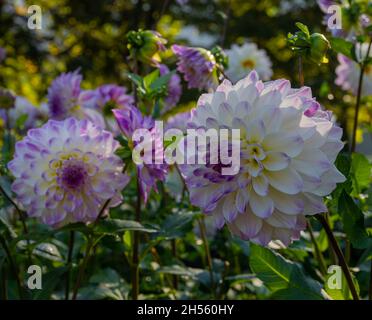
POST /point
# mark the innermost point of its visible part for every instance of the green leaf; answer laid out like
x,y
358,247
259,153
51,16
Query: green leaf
x,y
353,221
115,226
344,47
360,173
21,120
282,277
49,282
161,81
150,78
175,225
303,28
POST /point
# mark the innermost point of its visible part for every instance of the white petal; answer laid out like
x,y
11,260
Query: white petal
x,y
260,185
287,180
275,161
262,207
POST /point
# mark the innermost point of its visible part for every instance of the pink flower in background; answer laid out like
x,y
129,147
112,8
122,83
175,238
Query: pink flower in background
x,y
197,65
288,148
348,72
65,171
2,54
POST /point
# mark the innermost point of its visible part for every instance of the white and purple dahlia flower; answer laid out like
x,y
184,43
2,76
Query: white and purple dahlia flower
x,y
288,147
148,172
198,67
106,98
66,99
65,171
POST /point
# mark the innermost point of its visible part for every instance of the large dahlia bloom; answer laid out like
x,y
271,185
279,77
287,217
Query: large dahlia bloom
x,y
65,99
348,72
148,172
66,170
197,65
288,146
245,58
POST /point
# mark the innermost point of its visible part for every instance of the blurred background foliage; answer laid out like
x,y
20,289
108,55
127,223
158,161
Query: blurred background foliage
x,y
91,36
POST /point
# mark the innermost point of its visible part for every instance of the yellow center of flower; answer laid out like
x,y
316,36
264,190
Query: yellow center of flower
x,y
248,64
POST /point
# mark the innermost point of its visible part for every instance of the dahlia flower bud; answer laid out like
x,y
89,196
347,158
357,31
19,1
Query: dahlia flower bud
x,y
288,147
7,99
148,172
198,67
65,171
145,45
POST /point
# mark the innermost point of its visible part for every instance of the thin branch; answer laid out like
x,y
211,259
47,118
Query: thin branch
x,y
69,260
341,258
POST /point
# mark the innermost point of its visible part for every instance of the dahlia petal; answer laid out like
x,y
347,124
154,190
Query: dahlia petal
x,y
287,181
262,207
276,161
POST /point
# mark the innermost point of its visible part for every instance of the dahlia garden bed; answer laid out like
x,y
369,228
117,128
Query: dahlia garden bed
x,y
182,150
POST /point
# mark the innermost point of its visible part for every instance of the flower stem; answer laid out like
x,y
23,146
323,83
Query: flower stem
x,y
370,284
318,253
83,267
21,215
359,95
13,266
340,256
301,72
136,243
203,234
69,260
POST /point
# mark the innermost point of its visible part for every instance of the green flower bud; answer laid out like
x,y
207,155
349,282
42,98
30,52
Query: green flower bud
x,y
145,45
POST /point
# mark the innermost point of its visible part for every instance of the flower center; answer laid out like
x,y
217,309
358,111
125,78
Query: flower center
x,y
248,64
73,174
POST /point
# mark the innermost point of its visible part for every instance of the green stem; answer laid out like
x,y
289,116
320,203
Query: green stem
x,y
318,254
21,215
301,72
83,267
340,256
359,95
68,263
370,284
203,234
13,266
136,243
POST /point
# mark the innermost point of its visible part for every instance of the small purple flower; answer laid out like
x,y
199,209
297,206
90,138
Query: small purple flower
x,y
198,66
174,89
63,94
129,120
